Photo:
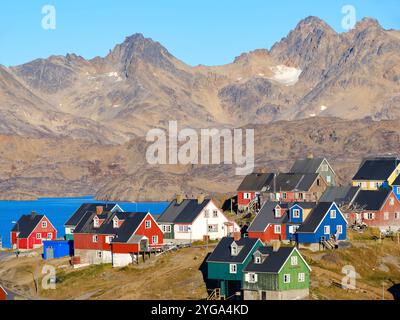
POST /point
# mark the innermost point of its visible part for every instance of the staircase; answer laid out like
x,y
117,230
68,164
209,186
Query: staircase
x,y
252,206
215,295
328,244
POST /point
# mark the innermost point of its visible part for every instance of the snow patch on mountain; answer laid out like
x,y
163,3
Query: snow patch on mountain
x,y
285,75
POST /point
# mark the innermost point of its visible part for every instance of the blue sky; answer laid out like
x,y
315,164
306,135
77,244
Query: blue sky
x,y
197,32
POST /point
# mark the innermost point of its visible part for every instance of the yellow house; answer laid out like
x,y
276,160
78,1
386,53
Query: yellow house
x,y
374,173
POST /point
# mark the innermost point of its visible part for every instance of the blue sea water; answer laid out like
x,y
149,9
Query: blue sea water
x,y
58,210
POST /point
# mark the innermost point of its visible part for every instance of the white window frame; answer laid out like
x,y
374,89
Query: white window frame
x,y
246,196
233,268
95,238
167,228
286,278
296,213
154,239
301,277
115,223
44,224
324,168
327,229
391,201
38,236
49,235
398,190
294,261
339,229
277,229
207,213
212,228
147,224
278,212
397,215
328,179
96,222
386,216
99,254
252,277
333,214
215,213
257,260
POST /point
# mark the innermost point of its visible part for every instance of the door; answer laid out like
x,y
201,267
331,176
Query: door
x,y
263,295
50,253
144,244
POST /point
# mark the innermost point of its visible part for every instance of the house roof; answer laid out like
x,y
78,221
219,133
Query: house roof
x,y
315,217
185,212
293,182
273,262
376,169
340,195
222,252
396,182
26,224
308,165
132,220
371,200
266,216
87,207
255,181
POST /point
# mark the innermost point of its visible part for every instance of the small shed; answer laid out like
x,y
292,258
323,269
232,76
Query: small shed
x,y
56,249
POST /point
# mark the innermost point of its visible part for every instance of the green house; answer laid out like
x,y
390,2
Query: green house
x,y
227,261
315,165
276,273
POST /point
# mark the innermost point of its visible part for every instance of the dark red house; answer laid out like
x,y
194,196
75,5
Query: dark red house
x,y
252,186
3,294
30,230
376,208
116,237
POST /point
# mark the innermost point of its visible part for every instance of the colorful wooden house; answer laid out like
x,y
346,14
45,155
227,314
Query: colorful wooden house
x,y
279,221
116,237
294,187
251,187
396,187
195,219
3,294
342,196
30,231
376,173
227,261
315,165
74,220
276,273
376,208
324,224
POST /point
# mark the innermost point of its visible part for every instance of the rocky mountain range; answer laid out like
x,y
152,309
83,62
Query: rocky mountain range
x,y
72,126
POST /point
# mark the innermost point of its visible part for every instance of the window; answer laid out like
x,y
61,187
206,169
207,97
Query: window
x,y
99,254
324,168
293,261
232,268
44,224
38,236
49,235
364,185
148,224
277,229
328,179
252,278
391,201
327,230
95,238
339,229
115,223
301,277
286,278
369,216
166,228
213,228
257,260
301,196
386,216
296,213
96,222
333,214
183,228
278,212
154,239
398,190
206,213
246,196
234,250
284,195
397,215
109,239
215,213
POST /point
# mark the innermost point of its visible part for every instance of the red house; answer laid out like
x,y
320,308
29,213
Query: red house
x,y
116,237
376,208
269,224
252,185
30,230
3,294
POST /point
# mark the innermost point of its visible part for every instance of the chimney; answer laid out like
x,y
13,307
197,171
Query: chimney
x,y
236,236
310,156
179,198
99,210
200,199
276,245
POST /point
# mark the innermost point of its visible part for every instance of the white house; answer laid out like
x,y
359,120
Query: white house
x,y
195,219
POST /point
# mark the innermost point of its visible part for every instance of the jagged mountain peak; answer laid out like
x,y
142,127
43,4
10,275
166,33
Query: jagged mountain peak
x,y
312,24
368,23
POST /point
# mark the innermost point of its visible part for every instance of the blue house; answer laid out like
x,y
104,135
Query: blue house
x,y
325,223
298,212
396,187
